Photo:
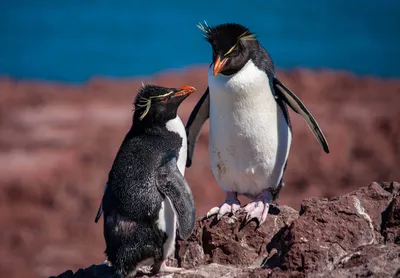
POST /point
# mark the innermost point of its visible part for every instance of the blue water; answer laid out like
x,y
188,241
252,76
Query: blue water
x,y
72,40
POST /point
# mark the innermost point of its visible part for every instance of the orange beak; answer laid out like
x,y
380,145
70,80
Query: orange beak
x,y
219,65
185,91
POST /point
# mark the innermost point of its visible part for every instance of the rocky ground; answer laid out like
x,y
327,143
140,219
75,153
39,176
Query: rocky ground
x,y
58,141
354,235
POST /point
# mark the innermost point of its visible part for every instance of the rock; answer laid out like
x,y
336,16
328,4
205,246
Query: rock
x,y
328,229
226,242
95,271
391,217
373,260
354,235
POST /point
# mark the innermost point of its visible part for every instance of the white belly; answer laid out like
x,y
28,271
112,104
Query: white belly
x,y
167,222
249,135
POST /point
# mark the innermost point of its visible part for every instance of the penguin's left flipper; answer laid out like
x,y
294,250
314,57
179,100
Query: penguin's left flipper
x,y
99,212
172,184
295,103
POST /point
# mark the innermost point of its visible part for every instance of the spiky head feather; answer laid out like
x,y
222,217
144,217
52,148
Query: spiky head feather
x,y
226,30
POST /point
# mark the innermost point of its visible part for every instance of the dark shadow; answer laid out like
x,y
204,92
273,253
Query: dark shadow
x,y
278,243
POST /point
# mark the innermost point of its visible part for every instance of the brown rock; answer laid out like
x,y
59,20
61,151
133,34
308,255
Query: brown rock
x,y
367,261
328,229
337,237
226,242
391,216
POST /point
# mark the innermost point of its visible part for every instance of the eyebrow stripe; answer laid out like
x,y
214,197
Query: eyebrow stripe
x,y
230,50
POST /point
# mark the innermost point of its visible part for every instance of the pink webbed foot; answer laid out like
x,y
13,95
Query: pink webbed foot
x,y
231,205
258,209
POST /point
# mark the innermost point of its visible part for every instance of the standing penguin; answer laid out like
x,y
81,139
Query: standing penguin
x,y
250,131
177,126
146,196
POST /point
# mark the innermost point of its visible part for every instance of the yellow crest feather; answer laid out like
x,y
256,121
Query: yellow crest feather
x,y
247,36
205,28
231,49
146,103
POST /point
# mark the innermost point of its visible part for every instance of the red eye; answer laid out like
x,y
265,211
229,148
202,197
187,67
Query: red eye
x,y
164,100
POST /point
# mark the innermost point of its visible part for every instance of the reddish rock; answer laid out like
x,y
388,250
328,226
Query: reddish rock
x,y
374,260
391,223
227,242
328,229
337,237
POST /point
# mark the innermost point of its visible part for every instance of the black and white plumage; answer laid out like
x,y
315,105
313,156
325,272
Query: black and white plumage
x,y
250,131
146,196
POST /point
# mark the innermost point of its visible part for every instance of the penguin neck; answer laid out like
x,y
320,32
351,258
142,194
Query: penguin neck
x,y
176,125
157,128
245,85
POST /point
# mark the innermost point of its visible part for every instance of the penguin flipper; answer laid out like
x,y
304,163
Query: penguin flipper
x,y
172,184
100,211
199,115
295,103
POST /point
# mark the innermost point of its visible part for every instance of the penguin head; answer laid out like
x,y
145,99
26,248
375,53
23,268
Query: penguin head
x,y
157,105
231,45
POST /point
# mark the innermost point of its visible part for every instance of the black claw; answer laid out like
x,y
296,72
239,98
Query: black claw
x,y
214,222
274,209
204,218
245,222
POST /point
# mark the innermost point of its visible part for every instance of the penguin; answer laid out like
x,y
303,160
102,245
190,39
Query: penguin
x,y
177,126
147,200
250,129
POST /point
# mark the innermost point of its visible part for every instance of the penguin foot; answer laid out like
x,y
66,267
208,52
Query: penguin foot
x,y
258,209
162,267
231,205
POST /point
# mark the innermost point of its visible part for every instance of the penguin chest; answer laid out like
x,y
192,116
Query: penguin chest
x,y
249,135
176,125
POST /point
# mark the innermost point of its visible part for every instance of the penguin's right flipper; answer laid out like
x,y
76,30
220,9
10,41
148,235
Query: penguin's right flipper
x,y
172,184
199,115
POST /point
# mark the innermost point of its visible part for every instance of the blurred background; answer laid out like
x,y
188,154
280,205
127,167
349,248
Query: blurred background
x,y
70,69
74,40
